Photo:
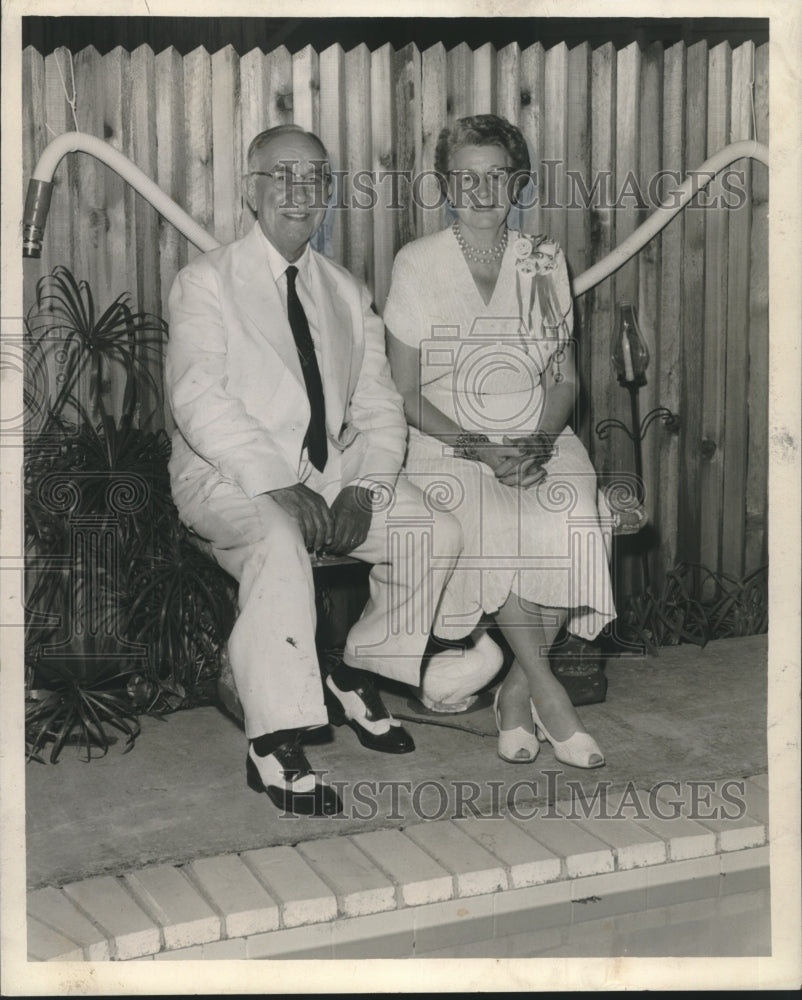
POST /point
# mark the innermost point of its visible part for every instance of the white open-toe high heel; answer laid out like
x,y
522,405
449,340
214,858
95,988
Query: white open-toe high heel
x,y
579,750
517,746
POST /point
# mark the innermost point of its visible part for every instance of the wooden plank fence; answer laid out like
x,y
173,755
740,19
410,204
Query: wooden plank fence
x,y
616,116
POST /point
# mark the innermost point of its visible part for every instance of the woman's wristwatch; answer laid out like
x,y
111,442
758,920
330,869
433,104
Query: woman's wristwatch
x,y
466,444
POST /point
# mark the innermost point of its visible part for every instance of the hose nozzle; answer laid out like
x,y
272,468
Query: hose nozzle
x,y
37,205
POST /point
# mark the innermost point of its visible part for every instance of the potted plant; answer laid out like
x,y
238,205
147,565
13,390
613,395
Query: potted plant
x,y
123,613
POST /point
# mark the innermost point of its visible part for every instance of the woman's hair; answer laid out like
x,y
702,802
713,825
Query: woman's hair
x,y
483,130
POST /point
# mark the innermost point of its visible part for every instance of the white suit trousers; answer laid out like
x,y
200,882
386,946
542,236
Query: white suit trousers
x,y
413,549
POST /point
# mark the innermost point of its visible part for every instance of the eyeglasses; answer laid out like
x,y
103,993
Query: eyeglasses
x,y
471,179
317,180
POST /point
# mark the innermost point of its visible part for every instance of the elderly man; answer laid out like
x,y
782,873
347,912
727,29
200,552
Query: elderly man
x,y
290,436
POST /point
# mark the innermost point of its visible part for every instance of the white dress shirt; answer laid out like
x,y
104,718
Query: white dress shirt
x,y
278,268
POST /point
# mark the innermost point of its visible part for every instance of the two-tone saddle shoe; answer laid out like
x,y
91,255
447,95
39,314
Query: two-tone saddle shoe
x,y
359,704
289,782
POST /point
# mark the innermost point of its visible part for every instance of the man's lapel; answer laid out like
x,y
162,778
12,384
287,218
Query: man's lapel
x,y
336,322
258,296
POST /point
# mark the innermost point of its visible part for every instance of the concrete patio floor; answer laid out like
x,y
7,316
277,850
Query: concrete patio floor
x,y
180,795
165,854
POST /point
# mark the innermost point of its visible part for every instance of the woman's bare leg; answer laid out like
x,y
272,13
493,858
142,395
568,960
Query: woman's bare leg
x,y
530,630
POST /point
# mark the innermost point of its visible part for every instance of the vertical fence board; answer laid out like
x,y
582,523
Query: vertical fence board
x,y
600,309
88,195
254,97
276,93
60,234
407,148
199,158
119,196
625,283
733,514
171,158
577,155
88,188
533,86
555,148
332,133
692,309
578,248
48,111
257,109
756,486
627,164
306,89
650,135
711,473
34,133
483,100
667,362
460,83
359,229
227,144
34,139
434,113
381,163
141,148
508,83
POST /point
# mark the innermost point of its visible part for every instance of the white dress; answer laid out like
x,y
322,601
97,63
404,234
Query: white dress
x,y
481,364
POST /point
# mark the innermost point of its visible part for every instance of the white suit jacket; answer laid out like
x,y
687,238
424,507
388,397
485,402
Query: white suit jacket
x,y
235,385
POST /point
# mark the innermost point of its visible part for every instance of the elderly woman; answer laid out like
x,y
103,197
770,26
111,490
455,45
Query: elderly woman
x,y
479,322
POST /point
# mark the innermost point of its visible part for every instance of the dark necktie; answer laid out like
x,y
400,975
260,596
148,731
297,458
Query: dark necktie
x,y
315,439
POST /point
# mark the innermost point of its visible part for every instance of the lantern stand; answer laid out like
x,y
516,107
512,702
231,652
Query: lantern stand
x,y
630,359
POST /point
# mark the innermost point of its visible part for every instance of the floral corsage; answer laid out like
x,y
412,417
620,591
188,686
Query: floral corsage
x,y
536,259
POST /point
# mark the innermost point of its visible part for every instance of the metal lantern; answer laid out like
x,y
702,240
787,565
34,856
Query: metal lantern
x,y
630,353
630,359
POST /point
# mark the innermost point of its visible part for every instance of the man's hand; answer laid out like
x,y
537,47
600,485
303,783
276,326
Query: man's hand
x,y
310,511
352,512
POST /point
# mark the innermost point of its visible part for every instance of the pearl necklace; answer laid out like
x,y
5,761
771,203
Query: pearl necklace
x,y
480,255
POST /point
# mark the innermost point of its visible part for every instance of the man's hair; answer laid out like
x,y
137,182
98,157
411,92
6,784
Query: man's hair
x,y
261,140
482,130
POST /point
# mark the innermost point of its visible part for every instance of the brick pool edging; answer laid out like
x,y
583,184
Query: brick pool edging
x,y
403,892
